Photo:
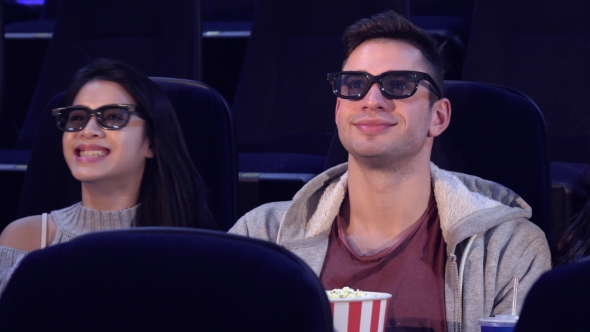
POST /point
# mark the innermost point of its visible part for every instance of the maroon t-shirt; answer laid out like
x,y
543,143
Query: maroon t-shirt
x,y
412,270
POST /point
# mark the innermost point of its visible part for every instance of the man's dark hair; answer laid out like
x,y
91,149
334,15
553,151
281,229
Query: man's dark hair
x,y
391,25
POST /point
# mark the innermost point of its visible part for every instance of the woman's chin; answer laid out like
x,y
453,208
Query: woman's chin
x,y
87,177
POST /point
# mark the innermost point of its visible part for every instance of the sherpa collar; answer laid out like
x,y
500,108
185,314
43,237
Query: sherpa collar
x,y
457,198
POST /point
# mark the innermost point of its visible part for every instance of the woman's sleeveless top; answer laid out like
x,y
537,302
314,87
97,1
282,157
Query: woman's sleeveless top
x,y
70,222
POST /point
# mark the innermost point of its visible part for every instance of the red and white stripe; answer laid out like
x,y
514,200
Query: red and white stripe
x,y
360,316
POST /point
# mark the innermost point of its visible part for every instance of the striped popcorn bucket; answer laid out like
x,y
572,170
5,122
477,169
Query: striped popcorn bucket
x,y
361,314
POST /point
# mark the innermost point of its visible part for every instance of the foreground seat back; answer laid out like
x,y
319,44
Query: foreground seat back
x,y
164,279
495,133
207,127
558,301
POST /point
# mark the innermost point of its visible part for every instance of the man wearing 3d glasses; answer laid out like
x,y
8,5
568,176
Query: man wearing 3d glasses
x,y
446,245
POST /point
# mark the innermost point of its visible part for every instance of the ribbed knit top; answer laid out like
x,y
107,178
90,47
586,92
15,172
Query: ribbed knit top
x,y
71,222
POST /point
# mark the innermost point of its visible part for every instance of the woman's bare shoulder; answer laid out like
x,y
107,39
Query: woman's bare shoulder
x,y
22,234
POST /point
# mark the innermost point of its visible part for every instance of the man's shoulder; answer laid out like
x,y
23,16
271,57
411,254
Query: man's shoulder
x,y
269,212
519,227
518,235
262,222
510,244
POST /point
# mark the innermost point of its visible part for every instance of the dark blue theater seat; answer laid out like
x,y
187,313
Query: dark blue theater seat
x,y
164,279
558,301
540,47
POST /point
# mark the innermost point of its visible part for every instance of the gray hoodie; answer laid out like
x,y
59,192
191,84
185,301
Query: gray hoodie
x,y
488,238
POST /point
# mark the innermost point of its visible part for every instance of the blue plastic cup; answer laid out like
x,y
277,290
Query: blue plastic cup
x,y
498,323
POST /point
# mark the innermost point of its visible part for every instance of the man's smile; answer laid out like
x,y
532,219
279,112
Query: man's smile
x,y
373,125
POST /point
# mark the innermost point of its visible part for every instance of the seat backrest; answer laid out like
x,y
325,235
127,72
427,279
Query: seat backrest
x,y
164,279
495,133
283,102
155,37
207,127
539,47
558,301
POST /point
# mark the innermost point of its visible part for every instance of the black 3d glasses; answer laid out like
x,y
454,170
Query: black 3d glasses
x,y
75,118
398,84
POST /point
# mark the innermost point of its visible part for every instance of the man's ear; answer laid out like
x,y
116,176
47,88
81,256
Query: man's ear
x,y
441,117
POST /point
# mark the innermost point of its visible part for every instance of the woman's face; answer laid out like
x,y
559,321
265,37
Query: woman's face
x,y
95,154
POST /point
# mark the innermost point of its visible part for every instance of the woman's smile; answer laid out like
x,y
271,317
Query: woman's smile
x,y
90,152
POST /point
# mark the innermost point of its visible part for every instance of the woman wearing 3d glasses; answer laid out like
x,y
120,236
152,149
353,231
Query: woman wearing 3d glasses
x,y
123,143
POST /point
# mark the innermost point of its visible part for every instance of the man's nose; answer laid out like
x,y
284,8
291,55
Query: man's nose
x,y
374,97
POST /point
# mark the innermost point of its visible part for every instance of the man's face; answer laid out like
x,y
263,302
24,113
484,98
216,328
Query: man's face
x,y
378,128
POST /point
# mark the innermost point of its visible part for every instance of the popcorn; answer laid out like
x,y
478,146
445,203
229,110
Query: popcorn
x,y
345,293
356,310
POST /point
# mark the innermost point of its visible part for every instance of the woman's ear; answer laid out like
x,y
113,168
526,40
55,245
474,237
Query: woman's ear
x,y
150,153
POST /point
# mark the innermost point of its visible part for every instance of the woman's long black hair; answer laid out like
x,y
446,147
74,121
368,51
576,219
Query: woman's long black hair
x,y
172,192
575,241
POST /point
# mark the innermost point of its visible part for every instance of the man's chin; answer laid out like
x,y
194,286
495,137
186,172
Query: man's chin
x,y
383,158
373,160
371,151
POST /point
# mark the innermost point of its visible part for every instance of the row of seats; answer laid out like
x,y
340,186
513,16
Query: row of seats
x,y
160,278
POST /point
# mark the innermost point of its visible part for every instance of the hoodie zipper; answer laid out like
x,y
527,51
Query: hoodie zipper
x,y
459,293
461,276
